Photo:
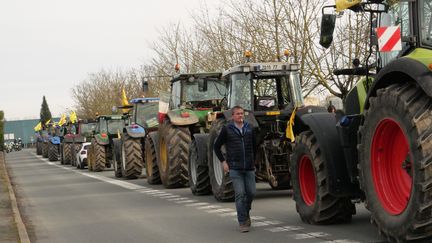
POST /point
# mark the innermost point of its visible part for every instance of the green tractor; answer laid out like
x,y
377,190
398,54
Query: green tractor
x,y
129,147
193,98
77,134
380,151
100,153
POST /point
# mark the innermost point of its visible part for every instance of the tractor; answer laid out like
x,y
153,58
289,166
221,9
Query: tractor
x,y
194,96
100,153
56,134
129,147
380,151
77,134
270,94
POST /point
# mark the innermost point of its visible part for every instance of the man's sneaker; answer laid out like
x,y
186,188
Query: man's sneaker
x,y
244,228
248,222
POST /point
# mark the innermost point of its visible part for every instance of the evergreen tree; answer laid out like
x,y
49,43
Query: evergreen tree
x,y
45,113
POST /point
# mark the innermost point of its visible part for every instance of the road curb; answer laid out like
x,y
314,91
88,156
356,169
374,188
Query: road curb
x,y
22,230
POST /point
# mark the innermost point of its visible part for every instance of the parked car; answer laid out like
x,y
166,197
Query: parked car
x,y
81,156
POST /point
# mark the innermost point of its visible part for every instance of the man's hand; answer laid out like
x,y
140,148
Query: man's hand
x,y
225,166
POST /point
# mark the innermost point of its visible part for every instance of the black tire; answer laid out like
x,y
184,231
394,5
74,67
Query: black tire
x,y
90,156
314,203
45,150
99,162
61,153
38,148
78,164
221,183
173,153
131,157
199,179
402,213
75,149
53,152
116,158
151,159
67,153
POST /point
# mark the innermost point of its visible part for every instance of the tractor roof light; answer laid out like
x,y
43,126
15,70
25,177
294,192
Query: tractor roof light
x,y
177,67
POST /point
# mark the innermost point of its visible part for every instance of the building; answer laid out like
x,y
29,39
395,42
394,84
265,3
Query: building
x,y
23,129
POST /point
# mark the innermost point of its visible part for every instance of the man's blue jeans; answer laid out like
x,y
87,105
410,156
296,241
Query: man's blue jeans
x,y
244,188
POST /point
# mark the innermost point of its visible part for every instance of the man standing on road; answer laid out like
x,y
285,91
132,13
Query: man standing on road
x,y
239,141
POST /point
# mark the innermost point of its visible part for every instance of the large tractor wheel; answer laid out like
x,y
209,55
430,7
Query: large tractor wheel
x,y
151,158
53,152
45,150
39,148
99,159
199,179
131,157
221,183
116,158
90,157
174,149
67,153
395,162
75,149
314,203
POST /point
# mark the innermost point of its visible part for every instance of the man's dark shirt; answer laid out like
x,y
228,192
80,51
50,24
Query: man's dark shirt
x,y
239,144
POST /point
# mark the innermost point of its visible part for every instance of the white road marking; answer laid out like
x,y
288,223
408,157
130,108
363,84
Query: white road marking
x,y
196,204
284,228
221,210
309,235
340,241
187,201
209,207
228,214
265,223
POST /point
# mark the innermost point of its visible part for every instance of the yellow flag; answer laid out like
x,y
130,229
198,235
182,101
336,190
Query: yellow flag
x,y
38,127
48,122
341,5
289,130
62,120
73,117
124,100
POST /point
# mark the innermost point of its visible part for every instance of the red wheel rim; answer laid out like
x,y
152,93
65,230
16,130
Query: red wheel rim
x,y
391,165
307,180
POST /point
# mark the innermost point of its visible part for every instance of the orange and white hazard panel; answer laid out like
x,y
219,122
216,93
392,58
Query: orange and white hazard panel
x,y
389,38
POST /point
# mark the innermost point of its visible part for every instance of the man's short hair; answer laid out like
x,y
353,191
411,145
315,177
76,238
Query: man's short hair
x,y
237,107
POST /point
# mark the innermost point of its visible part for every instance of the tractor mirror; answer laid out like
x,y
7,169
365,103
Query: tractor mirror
x,y
327,27
202,85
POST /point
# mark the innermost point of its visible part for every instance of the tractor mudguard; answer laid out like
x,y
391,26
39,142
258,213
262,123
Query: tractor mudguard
x,y
249,117
55,140
182,117
135,131
323,125
201,142
101,140
68,138
80,139
402,70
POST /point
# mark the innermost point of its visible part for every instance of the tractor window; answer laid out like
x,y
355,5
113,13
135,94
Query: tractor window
x,y
102,126
176,92
87,129
115,126
426,22
240,91
265,94
146,114
215,91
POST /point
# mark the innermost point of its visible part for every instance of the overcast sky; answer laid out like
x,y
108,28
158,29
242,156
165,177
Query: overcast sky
x,y
48,46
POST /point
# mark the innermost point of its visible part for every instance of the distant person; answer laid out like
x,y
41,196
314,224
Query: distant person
x,y
331,109
239,140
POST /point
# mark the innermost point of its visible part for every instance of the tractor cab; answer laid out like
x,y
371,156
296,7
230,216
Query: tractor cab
x,y
197,91
265,88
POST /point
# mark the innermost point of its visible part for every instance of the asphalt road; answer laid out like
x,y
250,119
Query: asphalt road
x,y
63,204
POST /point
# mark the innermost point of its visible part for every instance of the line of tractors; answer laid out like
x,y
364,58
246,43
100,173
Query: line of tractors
x,y
379,152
